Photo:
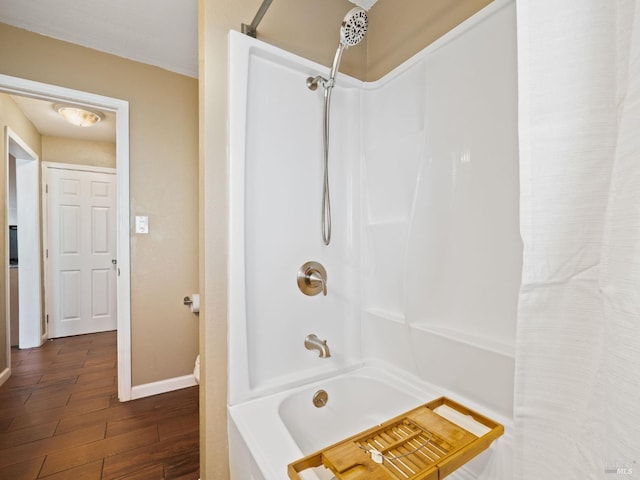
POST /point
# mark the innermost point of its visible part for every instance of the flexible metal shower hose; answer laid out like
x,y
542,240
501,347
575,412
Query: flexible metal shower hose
x,y
326,202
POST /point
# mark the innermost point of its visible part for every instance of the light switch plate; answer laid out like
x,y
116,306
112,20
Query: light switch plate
x,y
142,224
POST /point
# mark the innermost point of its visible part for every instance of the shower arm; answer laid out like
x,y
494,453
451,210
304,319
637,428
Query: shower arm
x,y
251,29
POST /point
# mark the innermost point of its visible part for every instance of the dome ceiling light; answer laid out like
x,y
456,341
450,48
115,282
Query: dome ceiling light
x,y
80,116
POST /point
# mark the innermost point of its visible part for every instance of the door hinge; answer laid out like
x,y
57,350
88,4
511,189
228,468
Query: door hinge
x,y
46,188
46,253
47,319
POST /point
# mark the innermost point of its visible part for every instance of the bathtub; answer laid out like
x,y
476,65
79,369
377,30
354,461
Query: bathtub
x,y
268,433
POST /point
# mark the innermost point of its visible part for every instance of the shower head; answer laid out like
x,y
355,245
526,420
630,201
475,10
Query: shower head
x,y
352,31
353,27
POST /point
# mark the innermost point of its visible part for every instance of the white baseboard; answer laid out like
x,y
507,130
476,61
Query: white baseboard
x,y
162,386
4,376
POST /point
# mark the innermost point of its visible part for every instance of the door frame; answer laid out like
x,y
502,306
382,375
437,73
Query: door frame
x,y
53,93
46,166
31,331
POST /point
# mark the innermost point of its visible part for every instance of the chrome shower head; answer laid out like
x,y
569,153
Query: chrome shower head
x,y
352,30
353,27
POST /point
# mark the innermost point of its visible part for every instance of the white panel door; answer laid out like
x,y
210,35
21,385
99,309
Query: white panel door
x,y
81,267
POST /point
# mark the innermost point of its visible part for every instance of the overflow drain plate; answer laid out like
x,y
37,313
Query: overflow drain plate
x,y
320,398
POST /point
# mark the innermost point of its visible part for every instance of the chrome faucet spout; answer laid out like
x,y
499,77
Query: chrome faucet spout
x,y
312,342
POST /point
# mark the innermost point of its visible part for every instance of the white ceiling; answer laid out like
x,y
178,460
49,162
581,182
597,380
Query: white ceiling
x,y
366,4
163,33
48,122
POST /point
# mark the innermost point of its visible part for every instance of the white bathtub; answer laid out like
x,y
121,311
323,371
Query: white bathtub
x,y
268,433
356,402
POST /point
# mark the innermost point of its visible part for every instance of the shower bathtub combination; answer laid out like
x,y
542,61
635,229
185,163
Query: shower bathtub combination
x,y
422,271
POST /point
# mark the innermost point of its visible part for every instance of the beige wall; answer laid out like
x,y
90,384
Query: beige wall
x,y
309,28
399,30
78,152
12,117
163,118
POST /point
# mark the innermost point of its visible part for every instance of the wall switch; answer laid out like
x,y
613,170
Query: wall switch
x,y
142,224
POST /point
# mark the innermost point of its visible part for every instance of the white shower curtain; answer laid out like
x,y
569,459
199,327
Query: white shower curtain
x,y
577,398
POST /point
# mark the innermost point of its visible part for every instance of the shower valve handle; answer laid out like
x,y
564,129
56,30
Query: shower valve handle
x,y
315,276
312,279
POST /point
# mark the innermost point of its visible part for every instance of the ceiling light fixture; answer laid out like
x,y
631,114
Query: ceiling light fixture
x,y
80,116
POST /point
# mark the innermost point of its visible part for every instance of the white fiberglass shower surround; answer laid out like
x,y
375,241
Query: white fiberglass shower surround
x,y
424,266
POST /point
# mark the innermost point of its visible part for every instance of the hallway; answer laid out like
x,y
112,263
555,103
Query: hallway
x,y
60,418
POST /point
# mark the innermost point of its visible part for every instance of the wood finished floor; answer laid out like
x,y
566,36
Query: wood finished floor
x,y
60,419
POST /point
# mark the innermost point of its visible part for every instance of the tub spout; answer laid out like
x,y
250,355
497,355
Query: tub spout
x,y
312,342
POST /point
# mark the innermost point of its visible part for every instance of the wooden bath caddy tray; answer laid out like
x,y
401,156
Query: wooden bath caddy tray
x,y
420,444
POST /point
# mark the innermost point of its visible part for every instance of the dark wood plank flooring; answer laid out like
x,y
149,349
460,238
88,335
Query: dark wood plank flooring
x,y
60,419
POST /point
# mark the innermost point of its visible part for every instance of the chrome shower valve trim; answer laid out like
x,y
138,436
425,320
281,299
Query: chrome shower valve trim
x,y
312,279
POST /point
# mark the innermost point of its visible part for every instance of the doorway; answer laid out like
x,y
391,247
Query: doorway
x,y
24,294
52,93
